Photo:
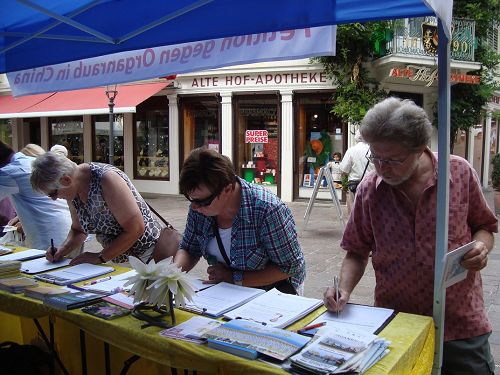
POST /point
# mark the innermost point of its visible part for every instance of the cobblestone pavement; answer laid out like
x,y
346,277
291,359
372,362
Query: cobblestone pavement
x,y
320,242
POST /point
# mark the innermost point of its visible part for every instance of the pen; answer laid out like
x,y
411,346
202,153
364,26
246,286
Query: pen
x,y
312,326
52,247
97,281
336,286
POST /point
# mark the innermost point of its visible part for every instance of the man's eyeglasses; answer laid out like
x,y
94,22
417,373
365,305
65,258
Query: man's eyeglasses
x,y
203,202
389,162
53,194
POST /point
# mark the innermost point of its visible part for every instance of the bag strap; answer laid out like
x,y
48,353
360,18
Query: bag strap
x,y
159,216
366,166
219,242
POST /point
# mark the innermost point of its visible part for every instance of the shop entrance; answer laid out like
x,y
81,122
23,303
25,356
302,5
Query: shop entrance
x,y
257,133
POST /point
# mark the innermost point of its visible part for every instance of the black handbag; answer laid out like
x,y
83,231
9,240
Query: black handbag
x,y
352,185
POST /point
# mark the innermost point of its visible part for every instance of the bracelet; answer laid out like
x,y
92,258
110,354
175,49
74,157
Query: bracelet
x,y
101,258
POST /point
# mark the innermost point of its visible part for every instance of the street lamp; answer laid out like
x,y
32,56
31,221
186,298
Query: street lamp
x,y
111,93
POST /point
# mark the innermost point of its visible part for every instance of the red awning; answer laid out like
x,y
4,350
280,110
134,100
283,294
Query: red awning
x,y
78,102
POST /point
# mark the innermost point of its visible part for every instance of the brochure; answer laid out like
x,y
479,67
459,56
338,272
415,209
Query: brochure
x,y
221,298
275,309
41,264
73,274
25,255
192,330
245,338
453,272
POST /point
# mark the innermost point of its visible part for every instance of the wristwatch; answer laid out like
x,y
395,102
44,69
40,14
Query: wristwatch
x,y
238,278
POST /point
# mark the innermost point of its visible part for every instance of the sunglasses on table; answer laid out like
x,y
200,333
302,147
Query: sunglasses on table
x,y
203,202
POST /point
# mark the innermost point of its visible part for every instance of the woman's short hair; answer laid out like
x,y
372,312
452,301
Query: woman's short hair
x,y
398,120
48,169
32,149
5,153
206,167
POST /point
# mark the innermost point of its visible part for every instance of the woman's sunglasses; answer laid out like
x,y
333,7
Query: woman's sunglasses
x,y
203,202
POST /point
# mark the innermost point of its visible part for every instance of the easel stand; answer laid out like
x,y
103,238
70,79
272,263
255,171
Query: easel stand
x,y
324,172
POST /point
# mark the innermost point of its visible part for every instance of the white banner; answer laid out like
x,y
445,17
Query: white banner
x,y
181,58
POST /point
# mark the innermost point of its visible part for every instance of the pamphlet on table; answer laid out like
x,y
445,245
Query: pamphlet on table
x,y
221,298
73,274
275,309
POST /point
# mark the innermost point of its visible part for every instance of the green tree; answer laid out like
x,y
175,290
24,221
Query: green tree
x,y
356,90
468,101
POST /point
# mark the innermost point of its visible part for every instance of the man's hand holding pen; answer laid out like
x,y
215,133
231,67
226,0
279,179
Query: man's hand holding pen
x,y
335,298
52,254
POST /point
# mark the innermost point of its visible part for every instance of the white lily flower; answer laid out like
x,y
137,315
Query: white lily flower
x,y
154,280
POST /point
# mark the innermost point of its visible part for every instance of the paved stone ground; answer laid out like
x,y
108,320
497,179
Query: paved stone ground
x,y
320,243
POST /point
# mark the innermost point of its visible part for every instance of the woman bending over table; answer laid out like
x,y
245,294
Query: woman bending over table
x,y
102,201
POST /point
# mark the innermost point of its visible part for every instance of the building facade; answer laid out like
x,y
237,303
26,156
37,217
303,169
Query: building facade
x,y
272,119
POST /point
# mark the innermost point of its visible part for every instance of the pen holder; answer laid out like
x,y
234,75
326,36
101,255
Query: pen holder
x,y
154,315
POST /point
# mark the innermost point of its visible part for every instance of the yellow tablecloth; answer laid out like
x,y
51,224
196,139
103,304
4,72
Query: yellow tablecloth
x,y
412,338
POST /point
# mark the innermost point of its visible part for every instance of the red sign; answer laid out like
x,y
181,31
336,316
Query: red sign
x,y
428,75
256,136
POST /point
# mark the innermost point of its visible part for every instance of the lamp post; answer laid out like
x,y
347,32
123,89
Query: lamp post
x,y
111,93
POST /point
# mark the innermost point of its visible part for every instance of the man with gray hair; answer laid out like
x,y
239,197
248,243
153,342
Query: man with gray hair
x,y
394,217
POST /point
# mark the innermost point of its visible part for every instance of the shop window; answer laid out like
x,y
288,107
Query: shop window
x,y
258,140
100,144
200,123
6,131
319,135
35,132
68,131
151,148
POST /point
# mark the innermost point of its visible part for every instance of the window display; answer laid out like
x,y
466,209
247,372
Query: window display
x,y
200,123
100,146
68,131
258,141
320,138
151,145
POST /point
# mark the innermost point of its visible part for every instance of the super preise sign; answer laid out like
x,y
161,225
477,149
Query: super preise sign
x,y
256,136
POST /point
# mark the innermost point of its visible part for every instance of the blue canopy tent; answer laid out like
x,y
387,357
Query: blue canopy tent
x,y
35,33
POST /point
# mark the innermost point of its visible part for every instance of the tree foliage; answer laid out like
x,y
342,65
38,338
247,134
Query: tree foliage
x,y
356,90
468,101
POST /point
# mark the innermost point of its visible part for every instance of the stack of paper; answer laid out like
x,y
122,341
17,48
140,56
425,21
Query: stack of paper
x,y
247,339
41,265
17,284
358,317
41,292
9,268
221,298
25,255
5,250
73,274
275,309
113,284
341,350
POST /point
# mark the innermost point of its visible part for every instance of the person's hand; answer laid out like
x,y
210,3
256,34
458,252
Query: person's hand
x,y
16,223
54,257
217,273
86,257
476,258
331,303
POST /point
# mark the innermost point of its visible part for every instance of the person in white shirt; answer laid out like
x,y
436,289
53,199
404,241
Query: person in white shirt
x,y
42,218
355,165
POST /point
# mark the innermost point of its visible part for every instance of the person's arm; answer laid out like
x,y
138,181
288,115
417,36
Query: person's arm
x,y
353,268
184,260
477,258
74,240
270,274
122,204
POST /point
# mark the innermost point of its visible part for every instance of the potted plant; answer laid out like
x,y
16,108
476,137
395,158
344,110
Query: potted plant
x,y
495,181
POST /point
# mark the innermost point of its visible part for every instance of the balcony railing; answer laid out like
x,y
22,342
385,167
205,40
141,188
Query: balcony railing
x,y
418,36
